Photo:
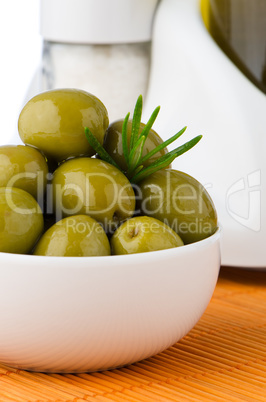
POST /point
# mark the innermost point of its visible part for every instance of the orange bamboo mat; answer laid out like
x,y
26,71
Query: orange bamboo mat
x,y
222,359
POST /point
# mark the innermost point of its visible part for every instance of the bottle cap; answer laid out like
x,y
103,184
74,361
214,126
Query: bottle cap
x,y
97,21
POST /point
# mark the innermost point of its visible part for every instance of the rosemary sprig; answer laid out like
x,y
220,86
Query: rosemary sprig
x,y
150,122
133,150
165,160
135,154
124,138
163,145
136,122
99,148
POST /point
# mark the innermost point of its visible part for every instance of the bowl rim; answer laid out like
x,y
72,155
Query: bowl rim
x,y
145,256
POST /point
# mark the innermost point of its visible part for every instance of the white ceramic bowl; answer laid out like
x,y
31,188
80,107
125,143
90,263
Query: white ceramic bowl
x,y
77,314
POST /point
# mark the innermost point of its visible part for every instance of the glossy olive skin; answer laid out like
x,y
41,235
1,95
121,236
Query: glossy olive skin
x,y
92,187
21,221
142,234
54,121
23,167
180,201
113,143
76,236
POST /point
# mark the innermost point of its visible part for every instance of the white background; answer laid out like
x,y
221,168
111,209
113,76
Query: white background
x,y
21,46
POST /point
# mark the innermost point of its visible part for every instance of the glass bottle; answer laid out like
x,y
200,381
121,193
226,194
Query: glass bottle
x,y
100,46
239,28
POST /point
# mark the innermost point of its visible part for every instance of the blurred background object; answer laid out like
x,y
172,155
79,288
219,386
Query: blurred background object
x,y
102,47
239,28
21,47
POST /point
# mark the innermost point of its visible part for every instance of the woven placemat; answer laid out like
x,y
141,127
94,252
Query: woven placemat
x,y
222,359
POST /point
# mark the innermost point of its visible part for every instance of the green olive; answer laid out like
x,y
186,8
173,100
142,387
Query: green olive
x,y
21,221
142,234
92,187
77,236
180,201
54,122
23,167
113,143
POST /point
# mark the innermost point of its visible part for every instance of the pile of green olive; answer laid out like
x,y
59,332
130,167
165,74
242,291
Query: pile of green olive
x,y
58,197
